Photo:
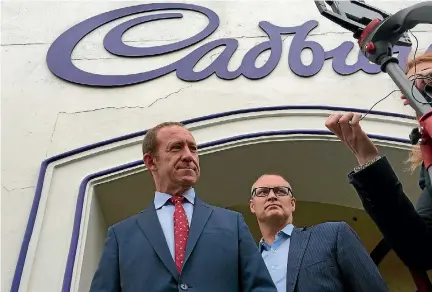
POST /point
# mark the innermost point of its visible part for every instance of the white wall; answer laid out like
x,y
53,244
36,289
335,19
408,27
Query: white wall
x,y
43,115
94,242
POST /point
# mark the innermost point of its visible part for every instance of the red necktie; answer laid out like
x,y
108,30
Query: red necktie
x,y
181,231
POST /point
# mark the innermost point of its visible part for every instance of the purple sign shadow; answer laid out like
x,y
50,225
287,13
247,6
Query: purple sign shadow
x,y
60,63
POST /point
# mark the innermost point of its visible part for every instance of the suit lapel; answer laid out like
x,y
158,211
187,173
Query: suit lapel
x,y
298,243
201,214
150,226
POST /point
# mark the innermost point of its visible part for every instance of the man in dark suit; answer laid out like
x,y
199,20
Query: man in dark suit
x,y
326,257
179,243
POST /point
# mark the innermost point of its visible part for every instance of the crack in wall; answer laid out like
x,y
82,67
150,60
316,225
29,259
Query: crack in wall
x,y
95,59
165,97
5,188
209,39
52,134
17,189
105,108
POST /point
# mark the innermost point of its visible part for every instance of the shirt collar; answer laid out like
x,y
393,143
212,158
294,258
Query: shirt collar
x,y
285,232
161,198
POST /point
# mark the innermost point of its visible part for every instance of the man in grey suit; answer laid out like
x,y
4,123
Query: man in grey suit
x,y
326,257
179,243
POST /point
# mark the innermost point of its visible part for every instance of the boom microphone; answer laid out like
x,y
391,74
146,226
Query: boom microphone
x,y
377,33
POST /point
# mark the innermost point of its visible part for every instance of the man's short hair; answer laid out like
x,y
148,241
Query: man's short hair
x,y
150,142
266,174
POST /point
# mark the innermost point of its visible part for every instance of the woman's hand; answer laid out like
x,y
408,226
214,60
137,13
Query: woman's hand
x,y
347,128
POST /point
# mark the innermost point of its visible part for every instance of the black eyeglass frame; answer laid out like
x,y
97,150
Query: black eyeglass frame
x,y
289,193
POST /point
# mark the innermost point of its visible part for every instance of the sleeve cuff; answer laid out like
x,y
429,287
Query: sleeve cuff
x,y
378,181
361,167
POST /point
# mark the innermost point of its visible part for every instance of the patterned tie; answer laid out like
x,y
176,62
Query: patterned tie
x,y
181,231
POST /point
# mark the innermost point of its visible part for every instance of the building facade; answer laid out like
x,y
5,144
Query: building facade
x,y
253,80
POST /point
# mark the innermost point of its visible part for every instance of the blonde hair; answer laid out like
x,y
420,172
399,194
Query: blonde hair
x,y
415,158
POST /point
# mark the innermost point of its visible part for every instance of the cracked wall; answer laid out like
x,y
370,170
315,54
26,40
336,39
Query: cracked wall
x,y
43,116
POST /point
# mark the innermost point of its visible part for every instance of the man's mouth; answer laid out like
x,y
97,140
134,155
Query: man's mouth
x,y
186,168
272,205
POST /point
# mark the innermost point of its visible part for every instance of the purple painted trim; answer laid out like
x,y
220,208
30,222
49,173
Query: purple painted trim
x,y
82,190
77,219
44,165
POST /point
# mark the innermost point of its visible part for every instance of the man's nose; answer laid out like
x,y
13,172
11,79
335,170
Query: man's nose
x,y
187,154
271,195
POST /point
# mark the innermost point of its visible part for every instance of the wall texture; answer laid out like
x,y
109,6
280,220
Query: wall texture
x,y
43,115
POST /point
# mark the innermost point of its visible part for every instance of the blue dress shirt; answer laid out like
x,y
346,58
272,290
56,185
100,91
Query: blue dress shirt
x,y
165,212
276,256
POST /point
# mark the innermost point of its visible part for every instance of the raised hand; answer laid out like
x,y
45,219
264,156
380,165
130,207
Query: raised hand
x,y
347,128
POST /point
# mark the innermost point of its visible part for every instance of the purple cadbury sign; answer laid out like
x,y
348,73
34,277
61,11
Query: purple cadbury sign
x,y
60,63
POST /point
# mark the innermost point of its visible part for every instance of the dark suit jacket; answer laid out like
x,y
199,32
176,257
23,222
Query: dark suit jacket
x,y
329,257
221,256
407,231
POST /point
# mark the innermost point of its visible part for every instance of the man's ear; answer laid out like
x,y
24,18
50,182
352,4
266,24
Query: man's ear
x,y
149,162
251,206
293,204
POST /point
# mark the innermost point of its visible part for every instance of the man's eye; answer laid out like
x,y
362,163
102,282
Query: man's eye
x,y
261,192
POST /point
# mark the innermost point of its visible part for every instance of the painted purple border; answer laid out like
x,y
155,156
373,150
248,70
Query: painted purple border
x,y
44,165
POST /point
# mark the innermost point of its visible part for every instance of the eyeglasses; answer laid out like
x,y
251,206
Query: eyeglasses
x,y
278,191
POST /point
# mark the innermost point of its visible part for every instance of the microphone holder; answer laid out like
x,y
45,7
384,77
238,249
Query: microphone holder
x,y
376,41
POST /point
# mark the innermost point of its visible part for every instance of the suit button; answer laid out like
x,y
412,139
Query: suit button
x,y
184,287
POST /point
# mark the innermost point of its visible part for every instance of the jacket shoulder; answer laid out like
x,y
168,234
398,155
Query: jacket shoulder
x,y
223,211
125,222
328,232
329,227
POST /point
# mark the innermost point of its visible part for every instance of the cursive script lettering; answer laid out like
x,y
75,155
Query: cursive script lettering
x,y
60,63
